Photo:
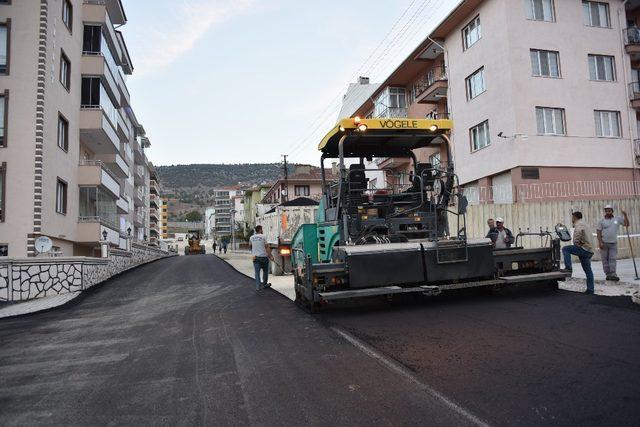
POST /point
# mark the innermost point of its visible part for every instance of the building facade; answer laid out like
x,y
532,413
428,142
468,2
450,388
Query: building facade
x,y
541,94
305,182
72,161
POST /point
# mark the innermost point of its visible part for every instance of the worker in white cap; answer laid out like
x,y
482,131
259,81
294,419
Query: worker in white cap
x,y
607,229
501,236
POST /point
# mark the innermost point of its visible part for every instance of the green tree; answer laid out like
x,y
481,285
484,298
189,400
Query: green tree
x,y
193,216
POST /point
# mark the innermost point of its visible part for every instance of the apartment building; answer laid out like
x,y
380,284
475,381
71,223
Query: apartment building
x,y
543,95
72,160
252,197
305,182
155,205
164,217
220,218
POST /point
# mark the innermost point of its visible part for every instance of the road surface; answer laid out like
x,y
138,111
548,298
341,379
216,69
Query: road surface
x,y
187,341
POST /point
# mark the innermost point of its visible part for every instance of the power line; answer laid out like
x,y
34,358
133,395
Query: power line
x,y
296,145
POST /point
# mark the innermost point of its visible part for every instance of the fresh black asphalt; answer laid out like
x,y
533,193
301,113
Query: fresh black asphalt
x,y
187,341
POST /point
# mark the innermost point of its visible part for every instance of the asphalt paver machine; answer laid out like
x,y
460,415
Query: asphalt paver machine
x,y
405,232
194,245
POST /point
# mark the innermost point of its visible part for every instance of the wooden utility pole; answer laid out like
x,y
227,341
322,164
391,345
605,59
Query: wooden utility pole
x,y
285,195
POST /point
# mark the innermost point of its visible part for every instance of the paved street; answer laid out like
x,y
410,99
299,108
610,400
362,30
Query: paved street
x,y
187,340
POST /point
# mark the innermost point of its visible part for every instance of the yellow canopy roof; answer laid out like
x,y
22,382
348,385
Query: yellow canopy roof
x,y
382,137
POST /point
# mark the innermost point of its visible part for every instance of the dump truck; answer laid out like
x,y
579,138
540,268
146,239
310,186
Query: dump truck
x,y
406,236
194,246
279,225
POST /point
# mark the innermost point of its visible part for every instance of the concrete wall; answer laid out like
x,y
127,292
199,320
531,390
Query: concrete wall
x,y
548,214
24,279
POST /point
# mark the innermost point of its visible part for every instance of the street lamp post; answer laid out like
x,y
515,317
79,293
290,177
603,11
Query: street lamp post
x,y
233,229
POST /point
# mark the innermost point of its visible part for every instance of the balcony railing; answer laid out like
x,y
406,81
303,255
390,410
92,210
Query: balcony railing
x,y
437,116
634,91
632,36
636,150
434,75
98,220
393,113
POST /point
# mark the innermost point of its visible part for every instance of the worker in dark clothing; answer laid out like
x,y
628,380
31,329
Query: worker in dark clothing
x,y
215,246
501,236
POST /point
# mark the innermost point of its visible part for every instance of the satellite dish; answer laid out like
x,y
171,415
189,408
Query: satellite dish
x,y
43,244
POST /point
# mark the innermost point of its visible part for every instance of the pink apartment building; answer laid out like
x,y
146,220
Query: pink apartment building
x,y
543,94
72,152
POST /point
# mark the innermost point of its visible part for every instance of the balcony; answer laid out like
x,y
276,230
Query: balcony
x,y
93,173
153,187
634,94
122,204
116,164
153,213
97,131
632,42
96,64
392,113
138,219
123,128
153,201
139,175
138,154
139,196
90,230
95,11
636,151
432,88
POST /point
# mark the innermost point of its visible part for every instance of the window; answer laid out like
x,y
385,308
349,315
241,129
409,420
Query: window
x,y
67,14
392,102
480,136
550,121
545,63
602,68
475,84
4,47
539,10
596,14
471,33
3,189
434,159
4,250
65,71
301,190
63,133
3,119
607,124
530,173
92,39
61,197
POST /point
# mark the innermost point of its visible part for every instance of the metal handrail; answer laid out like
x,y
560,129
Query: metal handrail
x,y
434,75
393,113
96,162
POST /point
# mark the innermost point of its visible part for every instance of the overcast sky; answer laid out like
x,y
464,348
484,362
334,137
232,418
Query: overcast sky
x,y
235,81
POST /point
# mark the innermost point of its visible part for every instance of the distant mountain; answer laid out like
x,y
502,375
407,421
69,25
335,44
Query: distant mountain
x,y
194,183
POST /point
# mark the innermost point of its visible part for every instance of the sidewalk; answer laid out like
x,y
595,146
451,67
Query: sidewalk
x,y
627,286
242,261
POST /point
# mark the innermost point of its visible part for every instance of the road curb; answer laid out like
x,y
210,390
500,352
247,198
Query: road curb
x,y
252,278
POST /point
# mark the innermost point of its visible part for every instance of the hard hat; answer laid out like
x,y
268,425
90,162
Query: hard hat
x,y
499,219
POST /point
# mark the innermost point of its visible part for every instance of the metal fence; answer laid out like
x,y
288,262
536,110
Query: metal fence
x,y
567,190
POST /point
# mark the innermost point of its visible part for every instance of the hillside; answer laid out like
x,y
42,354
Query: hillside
x,y
193,183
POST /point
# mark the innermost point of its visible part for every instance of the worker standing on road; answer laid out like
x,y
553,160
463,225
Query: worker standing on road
x,y
261,255
224,246
608,229
214,247
582,248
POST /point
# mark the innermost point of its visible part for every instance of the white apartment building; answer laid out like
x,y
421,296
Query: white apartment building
x,y
72,152
543,95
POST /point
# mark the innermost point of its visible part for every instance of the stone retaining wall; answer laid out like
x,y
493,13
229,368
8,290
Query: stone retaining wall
x,y
29,278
